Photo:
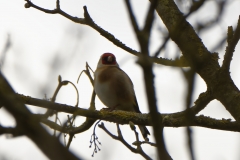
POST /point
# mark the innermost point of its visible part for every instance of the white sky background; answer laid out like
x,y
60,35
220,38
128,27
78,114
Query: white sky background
x,y
45,46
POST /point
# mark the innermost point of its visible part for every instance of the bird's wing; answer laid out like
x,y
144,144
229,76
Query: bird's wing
x,y
135,104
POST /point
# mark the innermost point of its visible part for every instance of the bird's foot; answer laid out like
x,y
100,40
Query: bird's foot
x,y
109,109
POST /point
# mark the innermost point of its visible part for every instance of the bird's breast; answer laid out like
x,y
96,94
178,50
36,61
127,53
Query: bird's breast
x,y
104,89
113,88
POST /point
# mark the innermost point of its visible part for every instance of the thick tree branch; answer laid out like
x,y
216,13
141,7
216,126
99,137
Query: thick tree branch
x,y
169,120
182,33
205,63
10,130
196,5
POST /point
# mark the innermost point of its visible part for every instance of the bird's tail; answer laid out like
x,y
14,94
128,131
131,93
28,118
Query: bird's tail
x,y
144,132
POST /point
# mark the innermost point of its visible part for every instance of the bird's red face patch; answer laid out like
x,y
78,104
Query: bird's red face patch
x,y
108,59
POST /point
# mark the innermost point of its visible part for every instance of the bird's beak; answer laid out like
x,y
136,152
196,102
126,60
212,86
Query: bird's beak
x,y
110,59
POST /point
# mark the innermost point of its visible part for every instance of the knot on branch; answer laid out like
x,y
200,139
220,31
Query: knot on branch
x,y
27,5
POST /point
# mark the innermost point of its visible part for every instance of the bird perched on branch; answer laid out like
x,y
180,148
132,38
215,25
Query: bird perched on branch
x,y
115,89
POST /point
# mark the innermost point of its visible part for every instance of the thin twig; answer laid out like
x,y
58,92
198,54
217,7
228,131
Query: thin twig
x,y
132,16
162,46
232,39
190,79
94,140
196,5
121,139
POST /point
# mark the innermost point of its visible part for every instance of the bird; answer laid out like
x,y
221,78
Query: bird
x,y
115,89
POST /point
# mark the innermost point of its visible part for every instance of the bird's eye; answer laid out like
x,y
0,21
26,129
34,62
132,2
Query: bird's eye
x,y
108,60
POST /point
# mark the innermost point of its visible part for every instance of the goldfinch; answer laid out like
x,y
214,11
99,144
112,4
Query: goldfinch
x,y
115,89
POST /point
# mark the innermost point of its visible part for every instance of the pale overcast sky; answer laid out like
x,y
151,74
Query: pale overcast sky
x,y
44,46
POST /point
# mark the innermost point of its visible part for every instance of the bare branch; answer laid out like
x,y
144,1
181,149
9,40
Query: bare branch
x,y
232,40
200,104
87,72
53,99
169,120
10,130
196,5
30,125
121,139
190,79
182,33
132,17
87,20
3,53
221,5
182,62
143,39
56,11
149,20
204,121
162,46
